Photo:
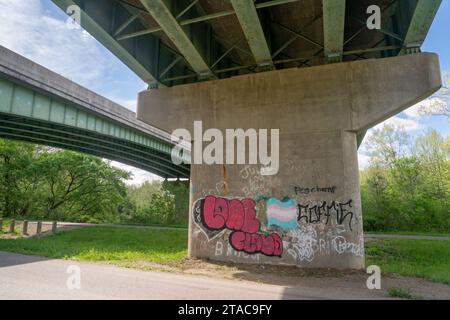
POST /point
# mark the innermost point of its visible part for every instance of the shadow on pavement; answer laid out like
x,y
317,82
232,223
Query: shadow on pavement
x,y
8,259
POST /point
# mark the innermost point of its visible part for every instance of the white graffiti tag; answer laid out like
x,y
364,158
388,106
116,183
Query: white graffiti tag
x,y
341,245
303,243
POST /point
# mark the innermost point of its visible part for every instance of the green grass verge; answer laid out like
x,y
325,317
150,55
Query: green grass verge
x,y
401,293
412,233
423,258
106,244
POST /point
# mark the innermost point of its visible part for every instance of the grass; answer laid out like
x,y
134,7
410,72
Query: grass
x,y
105,244
412,233
423,258
5,228
401,293
140,248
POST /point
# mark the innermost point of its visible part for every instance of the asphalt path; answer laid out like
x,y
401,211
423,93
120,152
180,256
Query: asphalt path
x,y
30,277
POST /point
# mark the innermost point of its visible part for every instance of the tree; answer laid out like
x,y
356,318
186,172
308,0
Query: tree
x,y
180,191
80,185
407,190
434,153
47,183
158,202
438,105
387,144
18,177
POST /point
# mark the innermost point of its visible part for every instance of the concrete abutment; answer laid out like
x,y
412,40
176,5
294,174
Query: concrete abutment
x,y
309,213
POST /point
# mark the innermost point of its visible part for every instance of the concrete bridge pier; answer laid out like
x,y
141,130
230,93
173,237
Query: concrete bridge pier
x,y
309,213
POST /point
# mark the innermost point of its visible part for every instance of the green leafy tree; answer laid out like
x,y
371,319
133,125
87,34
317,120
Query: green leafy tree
x,y
19,180
180,191
407,190
78,185
387,144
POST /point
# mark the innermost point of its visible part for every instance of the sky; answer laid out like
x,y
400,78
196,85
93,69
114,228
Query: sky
x,y
37,29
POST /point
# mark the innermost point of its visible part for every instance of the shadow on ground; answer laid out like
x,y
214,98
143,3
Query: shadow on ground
x,y
7,260
302,282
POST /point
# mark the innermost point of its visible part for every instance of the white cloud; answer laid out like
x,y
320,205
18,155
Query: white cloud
x,y
27,29
411,117
414,111
129,104
409,124
426,106
138,176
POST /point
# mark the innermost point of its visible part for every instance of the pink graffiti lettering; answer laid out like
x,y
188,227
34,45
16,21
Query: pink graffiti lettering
x,y
270,245
240,217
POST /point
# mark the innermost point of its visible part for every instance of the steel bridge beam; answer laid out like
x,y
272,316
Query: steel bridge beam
x,y
251,26
40,106
206,17
333,29
421,21
102,35
25,113
168,23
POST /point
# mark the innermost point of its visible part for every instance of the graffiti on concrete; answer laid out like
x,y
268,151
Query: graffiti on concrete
x,y
224,249
306,190
255,182
282,213
304,243
244,228
341,245
197,212
317,212
216,214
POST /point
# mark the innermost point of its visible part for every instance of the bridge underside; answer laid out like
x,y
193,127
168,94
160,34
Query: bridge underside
x,y
169,43
55,135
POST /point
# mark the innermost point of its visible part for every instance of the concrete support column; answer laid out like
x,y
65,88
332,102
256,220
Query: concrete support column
x,y
309,213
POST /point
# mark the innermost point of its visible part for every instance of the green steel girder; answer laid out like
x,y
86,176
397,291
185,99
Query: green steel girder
x,y
33,138
36,131
182,46
333,29
127,22
254,34
27,114
68,135
421,21
164,17
382,30
101,33
206,17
